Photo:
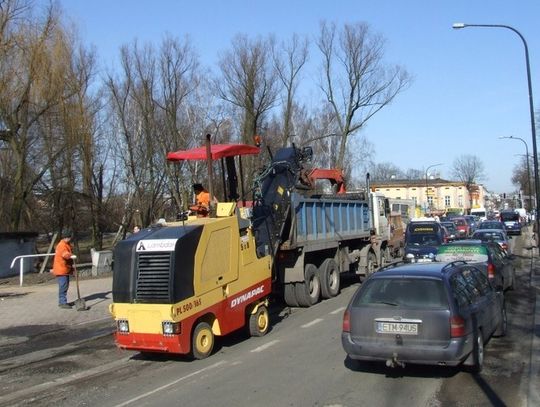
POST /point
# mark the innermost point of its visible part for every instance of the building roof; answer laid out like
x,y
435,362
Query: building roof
x,y
414,182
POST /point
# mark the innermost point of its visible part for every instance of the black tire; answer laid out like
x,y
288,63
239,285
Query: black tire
x,y
259,322
289,295
308,292
329,278
512,286
202,341
478,353
502,328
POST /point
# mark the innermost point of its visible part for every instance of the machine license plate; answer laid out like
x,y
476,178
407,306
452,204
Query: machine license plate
x,y
404,328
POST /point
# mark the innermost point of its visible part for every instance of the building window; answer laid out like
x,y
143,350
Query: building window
x,y
447,201
430,201
460,201
415,200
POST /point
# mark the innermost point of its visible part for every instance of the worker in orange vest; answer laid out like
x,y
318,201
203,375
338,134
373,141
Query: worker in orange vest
x,y
202,201
63,266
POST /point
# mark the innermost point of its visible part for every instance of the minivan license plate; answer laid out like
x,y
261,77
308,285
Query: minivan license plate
x,y
396,328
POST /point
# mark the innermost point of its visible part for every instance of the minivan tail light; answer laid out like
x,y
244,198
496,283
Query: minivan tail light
x,y
457,327
491,271
347,321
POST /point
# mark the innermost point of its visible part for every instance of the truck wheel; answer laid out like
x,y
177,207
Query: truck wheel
x,y
385,256
289,295
371,265
329,278
202,341
259,322
308,292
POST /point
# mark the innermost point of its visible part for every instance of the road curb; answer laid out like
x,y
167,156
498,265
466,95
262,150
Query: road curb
x,y
534,376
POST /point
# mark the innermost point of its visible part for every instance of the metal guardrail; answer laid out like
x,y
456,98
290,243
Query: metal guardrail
x,y
22,262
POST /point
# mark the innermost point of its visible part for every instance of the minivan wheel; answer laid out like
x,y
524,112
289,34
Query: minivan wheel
x,y
478,353
503,324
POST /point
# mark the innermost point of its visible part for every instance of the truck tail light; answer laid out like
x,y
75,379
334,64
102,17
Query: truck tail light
x,y
491,271
457,327
346,321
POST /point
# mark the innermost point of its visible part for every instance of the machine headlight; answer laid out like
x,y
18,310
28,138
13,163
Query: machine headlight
x,y
409,256
122,325
170,328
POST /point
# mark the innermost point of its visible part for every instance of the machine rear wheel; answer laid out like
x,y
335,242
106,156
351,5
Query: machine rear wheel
x,y
329,278
259,322
202,341
308,292
289,295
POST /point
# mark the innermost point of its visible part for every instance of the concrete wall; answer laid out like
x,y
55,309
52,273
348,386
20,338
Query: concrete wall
x,y
13,245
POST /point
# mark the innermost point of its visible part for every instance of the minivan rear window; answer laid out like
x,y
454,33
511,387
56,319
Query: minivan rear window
x,y
468,253
407,292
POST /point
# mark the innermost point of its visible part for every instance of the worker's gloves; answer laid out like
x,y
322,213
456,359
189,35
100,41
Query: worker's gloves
x,y
73,256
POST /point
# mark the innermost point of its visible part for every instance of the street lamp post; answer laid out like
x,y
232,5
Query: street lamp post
x,y
528,167
531,108
427,187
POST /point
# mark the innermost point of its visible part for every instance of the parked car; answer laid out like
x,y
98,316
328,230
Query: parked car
x,y
452,230
422,239
494,235
497,265
512,222
462,226
491,224
431,313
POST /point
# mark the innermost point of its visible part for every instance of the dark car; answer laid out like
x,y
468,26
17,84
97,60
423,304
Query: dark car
x,y
422,239
491,224
512,222
473,222
488,256
451,229
493,235
431,313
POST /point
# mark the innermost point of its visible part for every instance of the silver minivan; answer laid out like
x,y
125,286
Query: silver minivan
x,y
424,313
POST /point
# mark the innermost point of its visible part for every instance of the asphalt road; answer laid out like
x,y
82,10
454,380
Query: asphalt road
x,y
300,362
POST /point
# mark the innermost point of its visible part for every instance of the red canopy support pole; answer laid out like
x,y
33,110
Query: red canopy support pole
x,y
210,176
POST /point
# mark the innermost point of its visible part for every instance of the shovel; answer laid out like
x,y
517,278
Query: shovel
x,y
80,305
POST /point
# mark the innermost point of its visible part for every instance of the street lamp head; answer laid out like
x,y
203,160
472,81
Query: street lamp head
x,y
457,26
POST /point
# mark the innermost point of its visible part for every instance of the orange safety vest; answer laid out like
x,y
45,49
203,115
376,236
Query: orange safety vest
x,y
63,263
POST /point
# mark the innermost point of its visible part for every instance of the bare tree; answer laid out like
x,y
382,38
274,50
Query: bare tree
x,y
355,81
385,171
469,169
289,59
248,81
522,179
35,82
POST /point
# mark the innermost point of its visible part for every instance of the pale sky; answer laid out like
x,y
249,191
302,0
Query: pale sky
x,y
470,85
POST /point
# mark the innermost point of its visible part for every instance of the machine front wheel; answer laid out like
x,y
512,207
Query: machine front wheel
x,y
259,322
202,341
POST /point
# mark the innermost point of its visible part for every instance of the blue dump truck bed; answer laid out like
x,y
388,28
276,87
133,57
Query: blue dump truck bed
x,y
327,220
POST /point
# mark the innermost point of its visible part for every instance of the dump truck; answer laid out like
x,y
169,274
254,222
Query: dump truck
x,y
314,237
177,285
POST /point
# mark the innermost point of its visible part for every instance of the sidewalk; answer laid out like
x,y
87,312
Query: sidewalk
x,y
32,310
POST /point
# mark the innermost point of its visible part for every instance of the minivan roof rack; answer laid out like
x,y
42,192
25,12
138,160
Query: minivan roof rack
x,y
452,264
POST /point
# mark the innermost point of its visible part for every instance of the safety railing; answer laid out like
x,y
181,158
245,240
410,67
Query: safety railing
x,y
22,263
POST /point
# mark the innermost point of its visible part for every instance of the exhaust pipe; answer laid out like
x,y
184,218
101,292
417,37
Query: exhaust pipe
x,y
394,362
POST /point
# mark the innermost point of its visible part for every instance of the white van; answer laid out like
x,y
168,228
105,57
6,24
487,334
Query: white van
x,y
480,212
